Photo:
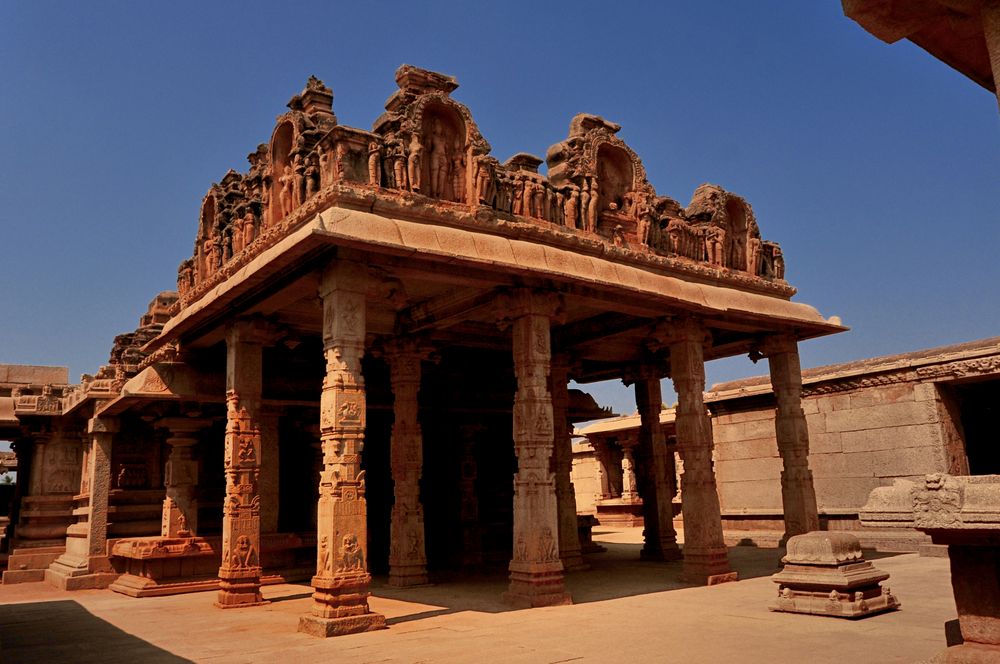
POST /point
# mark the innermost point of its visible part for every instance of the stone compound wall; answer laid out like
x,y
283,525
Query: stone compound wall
x,y
858,440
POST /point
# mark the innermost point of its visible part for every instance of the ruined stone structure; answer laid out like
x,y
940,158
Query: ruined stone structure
x,y
366,364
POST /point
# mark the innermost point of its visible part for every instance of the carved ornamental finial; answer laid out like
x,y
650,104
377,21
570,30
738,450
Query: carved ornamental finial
x,y
419,81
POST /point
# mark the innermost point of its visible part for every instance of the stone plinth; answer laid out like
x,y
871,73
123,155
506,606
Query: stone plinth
x,y
620,512
157,566
964,513
826,574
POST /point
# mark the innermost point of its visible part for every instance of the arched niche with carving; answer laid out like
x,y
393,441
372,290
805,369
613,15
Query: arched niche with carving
x,y
445,144
282,180
615,175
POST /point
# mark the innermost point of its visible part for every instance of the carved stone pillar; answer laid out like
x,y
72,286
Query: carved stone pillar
x,y
407,557
798,497
600,447
472,544
562,465
340,600
705,554
85,563
270,470
536,573
239,575
660,539
180,477
37,467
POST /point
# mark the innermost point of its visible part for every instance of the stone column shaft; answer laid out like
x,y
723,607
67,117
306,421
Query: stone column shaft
x,y
705,555
102,431
562,463
340,597
660,538
239,575
798,497
536,572
407,557
180,478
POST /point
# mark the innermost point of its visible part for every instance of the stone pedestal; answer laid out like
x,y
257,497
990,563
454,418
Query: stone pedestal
x,y
798,497
963,513
562,463
706,559
239,574
340,597
85,563
826,574
536,572
659,537
407,557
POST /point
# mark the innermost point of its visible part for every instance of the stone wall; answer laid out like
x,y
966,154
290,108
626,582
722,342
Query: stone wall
x,y
585,479
858,440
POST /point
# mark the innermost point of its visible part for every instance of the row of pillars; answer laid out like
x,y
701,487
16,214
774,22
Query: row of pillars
x,y
545,540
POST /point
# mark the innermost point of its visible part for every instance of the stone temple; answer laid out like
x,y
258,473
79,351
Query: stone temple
x,y
365,367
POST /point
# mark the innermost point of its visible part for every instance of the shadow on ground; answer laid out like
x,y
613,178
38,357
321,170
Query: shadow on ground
x,y
613,574
63,631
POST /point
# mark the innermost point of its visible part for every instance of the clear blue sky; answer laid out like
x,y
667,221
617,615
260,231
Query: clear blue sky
x,y
876,167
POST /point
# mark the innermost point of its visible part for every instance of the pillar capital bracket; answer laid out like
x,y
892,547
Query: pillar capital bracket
x,y
103,425
674,329
772,344
255,330
519,302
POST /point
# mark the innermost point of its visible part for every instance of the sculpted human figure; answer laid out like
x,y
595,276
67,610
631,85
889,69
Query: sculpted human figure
x,y
715,240
413,162
558,204
548,203
571,208
592,205
585,205
538,199
341,164
484,189
398,157
311,175
324,168
458,174
618,236
753,256
374,163
248,228
265,202
439,160
285,194
645,222
352,558
519,188
298,190
778,261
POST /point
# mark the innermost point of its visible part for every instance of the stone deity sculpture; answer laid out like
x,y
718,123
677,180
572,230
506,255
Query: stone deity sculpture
x,y
285,195
779,263
753,256
397,155
298,189
374,164
585,205
519,188
311,175
592,206
414,162
458,175
571,208
438,161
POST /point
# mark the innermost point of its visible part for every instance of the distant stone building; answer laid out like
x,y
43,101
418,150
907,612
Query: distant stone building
x,y
870,422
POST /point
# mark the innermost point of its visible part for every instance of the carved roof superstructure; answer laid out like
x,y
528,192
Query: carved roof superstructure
x,y
423,183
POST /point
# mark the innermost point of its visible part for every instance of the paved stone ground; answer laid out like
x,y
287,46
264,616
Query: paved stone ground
x,y
625,611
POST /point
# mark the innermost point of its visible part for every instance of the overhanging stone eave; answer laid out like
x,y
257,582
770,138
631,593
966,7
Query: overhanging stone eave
x,y
492,249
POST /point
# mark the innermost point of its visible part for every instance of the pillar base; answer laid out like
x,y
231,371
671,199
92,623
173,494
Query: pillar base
x,y
408,576
968,653
239,590
327,627
574,562
70,572
707,567
530,588
663,554
340,606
